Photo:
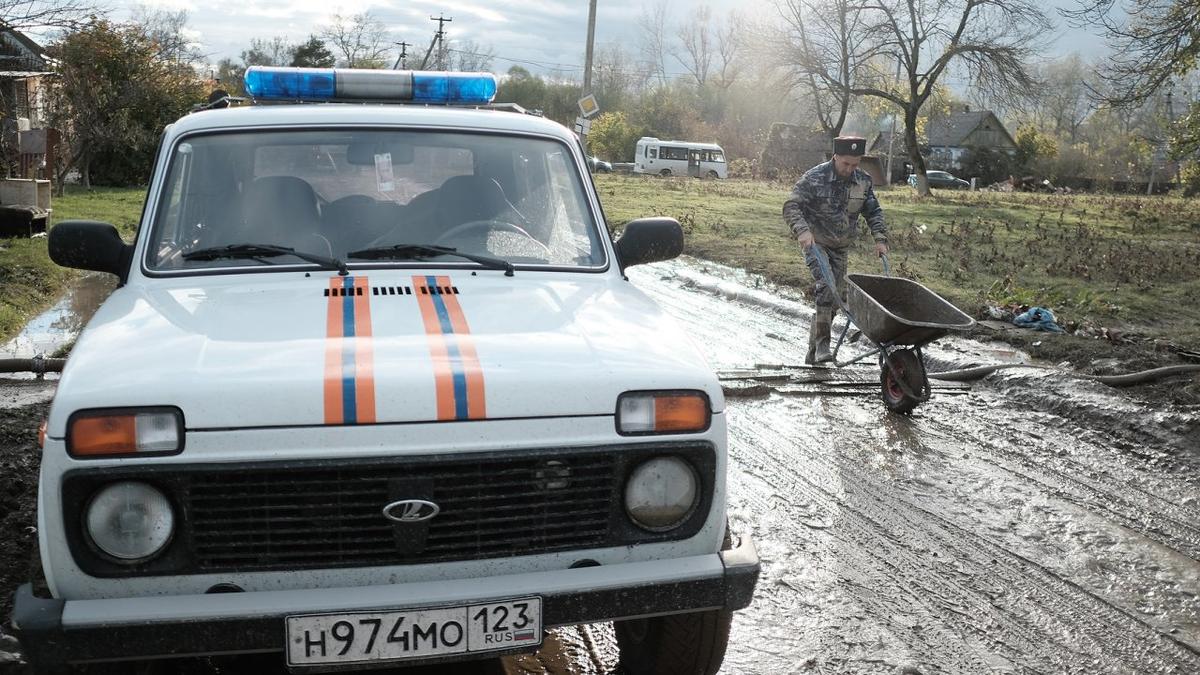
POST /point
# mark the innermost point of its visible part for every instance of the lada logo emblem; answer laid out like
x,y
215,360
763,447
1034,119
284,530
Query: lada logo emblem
x,y
410,510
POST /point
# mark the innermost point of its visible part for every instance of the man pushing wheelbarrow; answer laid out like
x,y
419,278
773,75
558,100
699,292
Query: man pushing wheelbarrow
x,y
897,316
823,209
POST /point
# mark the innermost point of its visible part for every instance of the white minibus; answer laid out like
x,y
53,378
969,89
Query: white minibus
x,y
680,158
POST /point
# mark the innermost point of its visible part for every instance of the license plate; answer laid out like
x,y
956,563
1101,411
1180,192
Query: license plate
x,y
361,637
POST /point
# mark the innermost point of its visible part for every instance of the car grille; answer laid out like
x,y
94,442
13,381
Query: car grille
x,y
328,513
332,517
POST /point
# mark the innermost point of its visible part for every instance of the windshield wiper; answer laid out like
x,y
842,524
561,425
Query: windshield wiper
x,y
423,251
265,251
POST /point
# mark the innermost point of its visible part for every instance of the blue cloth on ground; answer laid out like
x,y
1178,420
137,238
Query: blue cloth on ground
x,y
1038,318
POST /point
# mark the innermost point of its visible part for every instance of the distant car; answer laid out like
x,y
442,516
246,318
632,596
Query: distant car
x,y
598,165
940,179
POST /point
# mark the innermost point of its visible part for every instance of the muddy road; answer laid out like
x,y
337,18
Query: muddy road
x,y
1028,523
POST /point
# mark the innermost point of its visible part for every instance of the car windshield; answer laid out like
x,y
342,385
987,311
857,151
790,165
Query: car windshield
x,y
334,193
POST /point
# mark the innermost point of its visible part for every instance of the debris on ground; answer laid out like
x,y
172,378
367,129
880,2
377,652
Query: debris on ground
x,y
1038,318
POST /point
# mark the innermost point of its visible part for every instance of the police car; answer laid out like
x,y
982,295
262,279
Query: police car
x,y
374,390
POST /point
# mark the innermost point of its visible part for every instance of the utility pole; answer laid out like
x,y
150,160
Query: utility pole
x,y
437,41
587,66
401,61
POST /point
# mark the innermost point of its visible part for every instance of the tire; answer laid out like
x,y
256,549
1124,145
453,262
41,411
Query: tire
x,y
909,366
665,173
677,644
713,174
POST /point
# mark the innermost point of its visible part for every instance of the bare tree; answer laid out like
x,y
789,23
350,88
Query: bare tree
x,y
20,14
278,51
1065,100
470,56
166,29
654,48
361,39
1152,42
731,46
697,44
614,77
820,48
988,41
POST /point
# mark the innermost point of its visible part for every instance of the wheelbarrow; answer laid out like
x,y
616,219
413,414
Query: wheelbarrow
x,y
898,317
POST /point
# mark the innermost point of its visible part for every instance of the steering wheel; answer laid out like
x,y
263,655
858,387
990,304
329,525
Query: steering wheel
x,y
490,226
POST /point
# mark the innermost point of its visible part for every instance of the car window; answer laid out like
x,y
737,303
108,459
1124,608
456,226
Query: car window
x,y
334,192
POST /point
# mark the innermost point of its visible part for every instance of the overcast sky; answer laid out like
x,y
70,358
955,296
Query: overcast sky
x,y
543,35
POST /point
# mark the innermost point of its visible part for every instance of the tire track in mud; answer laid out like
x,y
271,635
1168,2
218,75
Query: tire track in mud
x,y
1018,567
1146,513
870,558
1026,615
907,530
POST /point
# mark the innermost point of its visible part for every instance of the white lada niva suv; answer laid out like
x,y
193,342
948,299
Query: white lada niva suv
x,y
374,390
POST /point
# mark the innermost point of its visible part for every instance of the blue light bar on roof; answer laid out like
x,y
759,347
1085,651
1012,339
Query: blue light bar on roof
x,y
345,84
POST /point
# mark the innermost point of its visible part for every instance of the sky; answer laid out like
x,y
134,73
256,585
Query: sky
x,y
542,35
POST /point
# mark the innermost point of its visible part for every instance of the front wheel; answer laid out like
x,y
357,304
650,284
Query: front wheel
x,y
908,365
665,173
677,644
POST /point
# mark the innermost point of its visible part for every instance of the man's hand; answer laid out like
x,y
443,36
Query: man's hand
x,y
881,248
806,239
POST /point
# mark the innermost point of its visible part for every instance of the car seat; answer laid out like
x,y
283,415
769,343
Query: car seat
x,y
283,210
463,199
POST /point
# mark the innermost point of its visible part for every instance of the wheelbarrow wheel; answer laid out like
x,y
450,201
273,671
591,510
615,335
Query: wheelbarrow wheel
x,y
908,366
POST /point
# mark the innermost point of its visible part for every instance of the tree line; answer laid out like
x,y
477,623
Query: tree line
x,y
832,66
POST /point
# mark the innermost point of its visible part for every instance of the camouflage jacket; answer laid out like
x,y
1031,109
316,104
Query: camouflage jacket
x,y
829,206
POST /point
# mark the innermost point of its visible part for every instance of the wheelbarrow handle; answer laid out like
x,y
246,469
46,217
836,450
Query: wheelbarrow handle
x,y
827,277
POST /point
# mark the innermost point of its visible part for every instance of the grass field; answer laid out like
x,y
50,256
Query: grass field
x,y
29,281
1105,261
1098,260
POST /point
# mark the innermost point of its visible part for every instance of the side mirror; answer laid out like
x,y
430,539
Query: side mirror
x,y
90,245
647,240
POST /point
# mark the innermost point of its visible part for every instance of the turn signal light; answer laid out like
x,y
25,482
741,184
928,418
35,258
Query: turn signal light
x,y
665,412
107,433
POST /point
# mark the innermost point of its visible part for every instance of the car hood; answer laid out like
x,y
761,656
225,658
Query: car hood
x,y
288,349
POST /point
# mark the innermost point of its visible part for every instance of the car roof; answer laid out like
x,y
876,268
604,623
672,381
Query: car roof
x,y
346,114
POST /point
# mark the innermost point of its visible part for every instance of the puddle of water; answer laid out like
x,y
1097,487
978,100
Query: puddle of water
x,y
60,324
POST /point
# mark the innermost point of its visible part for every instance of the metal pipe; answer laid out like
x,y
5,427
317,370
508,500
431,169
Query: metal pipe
x,y
37,365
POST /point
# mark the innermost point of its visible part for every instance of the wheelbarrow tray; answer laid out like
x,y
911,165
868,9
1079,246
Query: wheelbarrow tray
x,y
896,311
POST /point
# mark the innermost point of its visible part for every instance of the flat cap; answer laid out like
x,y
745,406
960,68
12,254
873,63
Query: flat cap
x,y
854,146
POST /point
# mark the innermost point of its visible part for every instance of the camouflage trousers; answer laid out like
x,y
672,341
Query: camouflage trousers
x,y
837,264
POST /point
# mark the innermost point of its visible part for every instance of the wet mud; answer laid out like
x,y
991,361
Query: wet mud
x,y
1023,523
1030,523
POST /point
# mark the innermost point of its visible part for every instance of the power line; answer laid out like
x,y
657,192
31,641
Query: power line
x,y
566,66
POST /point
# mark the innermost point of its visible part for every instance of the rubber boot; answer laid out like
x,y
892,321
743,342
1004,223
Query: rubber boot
x,y
818,337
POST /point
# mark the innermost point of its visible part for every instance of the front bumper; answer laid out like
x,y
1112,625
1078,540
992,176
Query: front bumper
x,y
54,632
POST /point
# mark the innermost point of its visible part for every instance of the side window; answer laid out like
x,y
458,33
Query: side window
x,y
176,236
674,153
653,153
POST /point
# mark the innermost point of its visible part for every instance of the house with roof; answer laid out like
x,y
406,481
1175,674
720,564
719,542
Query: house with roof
x,y
950,139
26,146
24,68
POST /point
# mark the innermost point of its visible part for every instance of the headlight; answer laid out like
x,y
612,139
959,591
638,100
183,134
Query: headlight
x,y
130,520
106,433
661,493
662,412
